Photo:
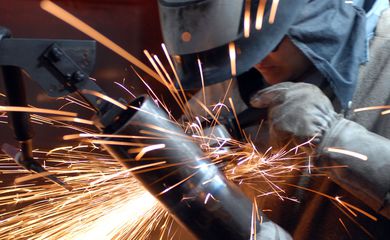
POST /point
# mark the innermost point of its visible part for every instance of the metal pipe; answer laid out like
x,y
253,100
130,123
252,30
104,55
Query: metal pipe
x,y
191,180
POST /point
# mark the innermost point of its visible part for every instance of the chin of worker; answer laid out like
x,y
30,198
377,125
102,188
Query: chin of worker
x,y
298,112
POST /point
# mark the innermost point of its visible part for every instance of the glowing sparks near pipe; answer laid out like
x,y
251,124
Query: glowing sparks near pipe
x,y
232,55
118,143
371,108
260,14
345,227
253,221
337,199
174,72
148,149
76,120
59,149
274,8
67,17
374,108
110,203
114,189
105,97
32,176
161,80
202,80
349,153
125,214
146,166
124,88
247,18
177,184
36,110
235,114
385,112
97,135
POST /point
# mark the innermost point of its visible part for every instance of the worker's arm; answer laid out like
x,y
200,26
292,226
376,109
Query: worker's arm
x,y
300,111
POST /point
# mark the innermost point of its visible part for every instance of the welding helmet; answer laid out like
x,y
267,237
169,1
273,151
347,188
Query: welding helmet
x,y
200,32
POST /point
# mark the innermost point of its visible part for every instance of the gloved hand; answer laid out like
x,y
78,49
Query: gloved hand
x,y
300,111
296,112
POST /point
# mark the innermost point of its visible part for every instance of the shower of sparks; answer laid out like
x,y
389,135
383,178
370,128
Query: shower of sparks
x,y
106,200
349,153
124,215
103,190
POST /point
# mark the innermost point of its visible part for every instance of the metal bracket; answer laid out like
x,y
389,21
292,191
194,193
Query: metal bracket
x,y
26,54
71,75
64,65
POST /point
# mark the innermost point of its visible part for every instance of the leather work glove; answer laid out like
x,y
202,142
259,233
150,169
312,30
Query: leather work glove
x,y
300,111
296,112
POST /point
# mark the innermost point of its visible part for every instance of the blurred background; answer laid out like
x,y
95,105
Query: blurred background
x,y
132,24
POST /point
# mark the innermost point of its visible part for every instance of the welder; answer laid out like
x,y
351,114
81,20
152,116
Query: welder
x,y
307,76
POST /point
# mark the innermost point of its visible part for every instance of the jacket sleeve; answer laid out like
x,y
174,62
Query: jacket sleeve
x,y
366,175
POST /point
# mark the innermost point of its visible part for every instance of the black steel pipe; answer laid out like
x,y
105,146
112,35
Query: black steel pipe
x,y
190,178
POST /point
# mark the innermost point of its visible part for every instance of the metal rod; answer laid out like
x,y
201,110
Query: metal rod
x,y
16,94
